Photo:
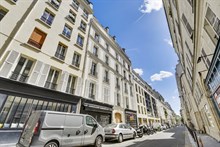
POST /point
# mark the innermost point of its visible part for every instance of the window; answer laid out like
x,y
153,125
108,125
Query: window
x,y
83,26
72,16
80,40
117,83
187,25
95,51
217,26
37,38
52,78
3,12
93,69
85,14
22,70
116,56
131,91
190,2
75,4
67,31
139,109
205,59
47,17
55,3
106,95
116,68
106,59
125,74
92,90
97,37
76,59
90,121
137,98
118,99
126,89
210,16
106,78
127,102
71,84
61,50
107,47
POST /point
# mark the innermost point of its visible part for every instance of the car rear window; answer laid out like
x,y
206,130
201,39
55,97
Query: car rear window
x,y
112,126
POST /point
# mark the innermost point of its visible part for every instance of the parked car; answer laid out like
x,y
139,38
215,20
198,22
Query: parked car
x,y
57,129
119,131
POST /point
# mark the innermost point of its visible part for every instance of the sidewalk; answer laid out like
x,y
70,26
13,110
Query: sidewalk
x,y
208,141
189,142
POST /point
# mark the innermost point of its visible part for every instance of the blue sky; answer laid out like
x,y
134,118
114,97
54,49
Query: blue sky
x,y
140,27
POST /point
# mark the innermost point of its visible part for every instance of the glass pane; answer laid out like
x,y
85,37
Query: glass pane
x,y
11,113
62,107
49,107
58,107
5,110
39,105
45,105
20,65
18,113
2,100
25,113
34,105
65,108
50,75
54,106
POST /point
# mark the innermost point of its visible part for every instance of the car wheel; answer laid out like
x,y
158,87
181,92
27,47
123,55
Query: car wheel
x,y
120,138
51,144
98,141
134,135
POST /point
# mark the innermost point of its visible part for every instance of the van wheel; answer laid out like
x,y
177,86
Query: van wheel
x,y
120,138
98,141
51,144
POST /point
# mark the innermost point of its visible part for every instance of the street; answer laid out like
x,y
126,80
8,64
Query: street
x,y
175,137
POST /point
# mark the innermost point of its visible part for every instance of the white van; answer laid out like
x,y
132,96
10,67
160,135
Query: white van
x,y
58,129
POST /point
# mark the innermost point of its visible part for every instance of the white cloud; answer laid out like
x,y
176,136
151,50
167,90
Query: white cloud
x,y
139,71
168,41
160,76
173,97
150,5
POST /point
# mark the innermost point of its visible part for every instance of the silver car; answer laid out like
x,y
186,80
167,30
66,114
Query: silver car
x,y
119,131
59,129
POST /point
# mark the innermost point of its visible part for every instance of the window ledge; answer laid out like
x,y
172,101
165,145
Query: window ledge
x,y
74,7
12,2
68,39
31,46
82,30
58,59
80,47
73,66
67,17
42,22
49,3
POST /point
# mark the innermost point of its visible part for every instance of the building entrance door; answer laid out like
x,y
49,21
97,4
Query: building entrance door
x,y
118,118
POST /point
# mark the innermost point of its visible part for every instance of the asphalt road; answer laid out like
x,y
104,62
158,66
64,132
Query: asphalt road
x,y
175,137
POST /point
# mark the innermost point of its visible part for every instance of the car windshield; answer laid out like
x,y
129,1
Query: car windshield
x,y
111,126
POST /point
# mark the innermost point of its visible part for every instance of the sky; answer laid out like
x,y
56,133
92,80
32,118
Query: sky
x,y
141,28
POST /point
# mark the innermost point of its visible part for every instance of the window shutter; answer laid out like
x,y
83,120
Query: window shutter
x,y
63,81
7,65
86,93
79,86
43,74
36,71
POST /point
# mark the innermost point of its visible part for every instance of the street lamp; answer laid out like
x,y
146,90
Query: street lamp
x,y
200,58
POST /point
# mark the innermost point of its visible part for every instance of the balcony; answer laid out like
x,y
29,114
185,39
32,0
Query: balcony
x,y
55,3
71,18
50,85
47,21
85,15
59,56
70,90
19,77
75,6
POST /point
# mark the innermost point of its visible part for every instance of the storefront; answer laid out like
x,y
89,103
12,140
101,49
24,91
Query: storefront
x,y
18,100
131,118
100,111
213,79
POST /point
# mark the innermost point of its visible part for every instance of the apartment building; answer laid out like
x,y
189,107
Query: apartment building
x,y
42,50
108,83
147,108
194,27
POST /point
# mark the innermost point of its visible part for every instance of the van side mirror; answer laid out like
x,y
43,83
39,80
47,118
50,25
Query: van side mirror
x,y
95,126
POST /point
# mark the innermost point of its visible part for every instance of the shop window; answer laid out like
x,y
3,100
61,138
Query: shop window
x,y
22,70
37,38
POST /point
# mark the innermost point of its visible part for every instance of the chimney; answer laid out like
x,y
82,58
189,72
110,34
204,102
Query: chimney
x,y
123,49
114,37
107,29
